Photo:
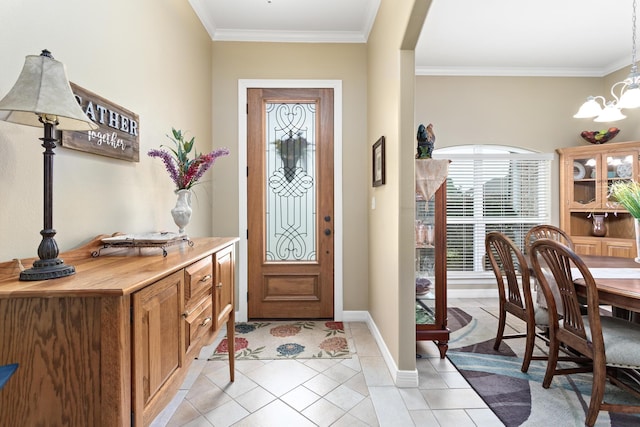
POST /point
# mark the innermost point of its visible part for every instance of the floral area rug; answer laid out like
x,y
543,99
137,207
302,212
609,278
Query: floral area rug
x,y
517,398
287,340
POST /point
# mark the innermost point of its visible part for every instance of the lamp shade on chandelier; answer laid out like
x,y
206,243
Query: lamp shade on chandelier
x,y
626,93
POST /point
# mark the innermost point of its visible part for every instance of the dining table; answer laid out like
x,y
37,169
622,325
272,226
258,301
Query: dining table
x,y
617,280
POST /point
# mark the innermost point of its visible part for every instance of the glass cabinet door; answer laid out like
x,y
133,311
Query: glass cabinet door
x,y
619,167
585,175
425,261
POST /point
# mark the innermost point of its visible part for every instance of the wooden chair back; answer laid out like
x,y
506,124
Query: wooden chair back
x,y
559,259
546,231
508,263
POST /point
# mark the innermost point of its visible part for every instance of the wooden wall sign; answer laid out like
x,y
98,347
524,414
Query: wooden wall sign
x,y
118,128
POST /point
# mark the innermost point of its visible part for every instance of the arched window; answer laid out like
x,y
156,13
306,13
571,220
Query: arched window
x,y
489,188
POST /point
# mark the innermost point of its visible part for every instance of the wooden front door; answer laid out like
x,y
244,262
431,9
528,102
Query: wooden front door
x,y
290,203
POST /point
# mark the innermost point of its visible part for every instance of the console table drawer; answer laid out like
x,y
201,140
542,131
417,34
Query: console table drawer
x,y
198,324
198,278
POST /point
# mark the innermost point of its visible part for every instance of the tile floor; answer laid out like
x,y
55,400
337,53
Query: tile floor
x,y
342,392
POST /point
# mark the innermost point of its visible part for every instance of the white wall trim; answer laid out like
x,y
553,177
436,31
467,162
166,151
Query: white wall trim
x,y
400,378
243,85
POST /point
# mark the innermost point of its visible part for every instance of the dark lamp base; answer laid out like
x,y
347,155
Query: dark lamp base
x,y
47,269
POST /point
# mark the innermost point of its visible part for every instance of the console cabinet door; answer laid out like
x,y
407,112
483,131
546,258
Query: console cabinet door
x,y
156,340
224,286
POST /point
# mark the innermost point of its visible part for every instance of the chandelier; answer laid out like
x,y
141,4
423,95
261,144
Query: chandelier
x,y
629,91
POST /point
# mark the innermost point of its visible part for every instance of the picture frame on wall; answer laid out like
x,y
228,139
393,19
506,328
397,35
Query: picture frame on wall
x,y
378,162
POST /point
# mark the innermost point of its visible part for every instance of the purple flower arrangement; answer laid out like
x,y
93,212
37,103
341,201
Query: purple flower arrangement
x,y
185,172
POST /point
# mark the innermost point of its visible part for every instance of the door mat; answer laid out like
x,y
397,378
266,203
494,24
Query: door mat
x,y
287,340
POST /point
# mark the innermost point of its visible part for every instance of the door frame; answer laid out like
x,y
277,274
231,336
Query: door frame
x,y
243,85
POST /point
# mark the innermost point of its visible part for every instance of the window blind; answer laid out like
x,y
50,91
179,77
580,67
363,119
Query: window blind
x,y
492,188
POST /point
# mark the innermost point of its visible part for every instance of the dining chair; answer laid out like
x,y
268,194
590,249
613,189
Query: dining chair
x,y
606,342
546,231
509,264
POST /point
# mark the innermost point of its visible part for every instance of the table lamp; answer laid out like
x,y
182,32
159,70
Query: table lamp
x,y
42,97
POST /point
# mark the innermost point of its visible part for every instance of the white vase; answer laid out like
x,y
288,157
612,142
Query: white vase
x,y
637,223
182,210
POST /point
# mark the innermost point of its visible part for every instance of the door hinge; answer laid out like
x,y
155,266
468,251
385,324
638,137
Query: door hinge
x,y
131,314
247,105
247,296
247,171
247,234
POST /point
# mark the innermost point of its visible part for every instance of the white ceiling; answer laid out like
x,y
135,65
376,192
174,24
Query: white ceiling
x,y
459,37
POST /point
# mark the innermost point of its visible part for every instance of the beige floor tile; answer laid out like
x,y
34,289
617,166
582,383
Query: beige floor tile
x,y
255,399
484,418
201,421
275,414
240,386
365,412
281,376
348,420
344,397
453,398
227,414
454,380
453,418
340,373
321,384
321,365
413,399
389,406
358,383
424,418
353,362
300,398
183,414
323,413
376,372
208,399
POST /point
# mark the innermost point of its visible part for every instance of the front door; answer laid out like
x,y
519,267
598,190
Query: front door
x,y
290,203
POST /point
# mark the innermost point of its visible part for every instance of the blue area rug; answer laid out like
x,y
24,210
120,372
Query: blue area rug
x,y
518,399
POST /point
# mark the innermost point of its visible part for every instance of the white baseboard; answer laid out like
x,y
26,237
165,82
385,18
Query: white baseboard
x,y
400,378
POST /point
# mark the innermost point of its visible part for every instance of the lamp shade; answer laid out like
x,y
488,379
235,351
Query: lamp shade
x,y
42,89
611,113
589,109
630,98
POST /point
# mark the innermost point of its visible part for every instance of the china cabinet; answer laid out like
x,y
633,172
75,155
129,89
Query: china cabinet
x,y
111,344
431,253
586,176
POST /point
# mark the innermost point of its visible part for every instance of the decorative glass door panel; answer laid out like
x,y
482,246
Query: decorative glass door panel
x,y
425,261
585,177
619,168
290,215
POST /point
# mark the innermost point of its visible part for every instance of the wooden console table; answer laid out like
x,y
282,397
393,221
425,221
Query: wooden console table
x,y
111,344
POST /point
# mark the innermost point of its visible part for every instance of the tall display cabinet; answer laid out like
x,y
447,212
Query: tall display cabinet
x,y
586,176
431,252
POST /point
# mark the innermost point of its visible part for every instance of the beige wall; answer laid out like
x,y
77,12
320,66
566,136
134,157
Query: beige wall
x,y
390,113
529,112
346,62
152,59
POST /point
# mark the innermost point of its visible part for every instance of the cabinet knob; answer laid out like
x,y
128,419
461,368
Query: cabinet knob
x,y
206,321
206,278
219,285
